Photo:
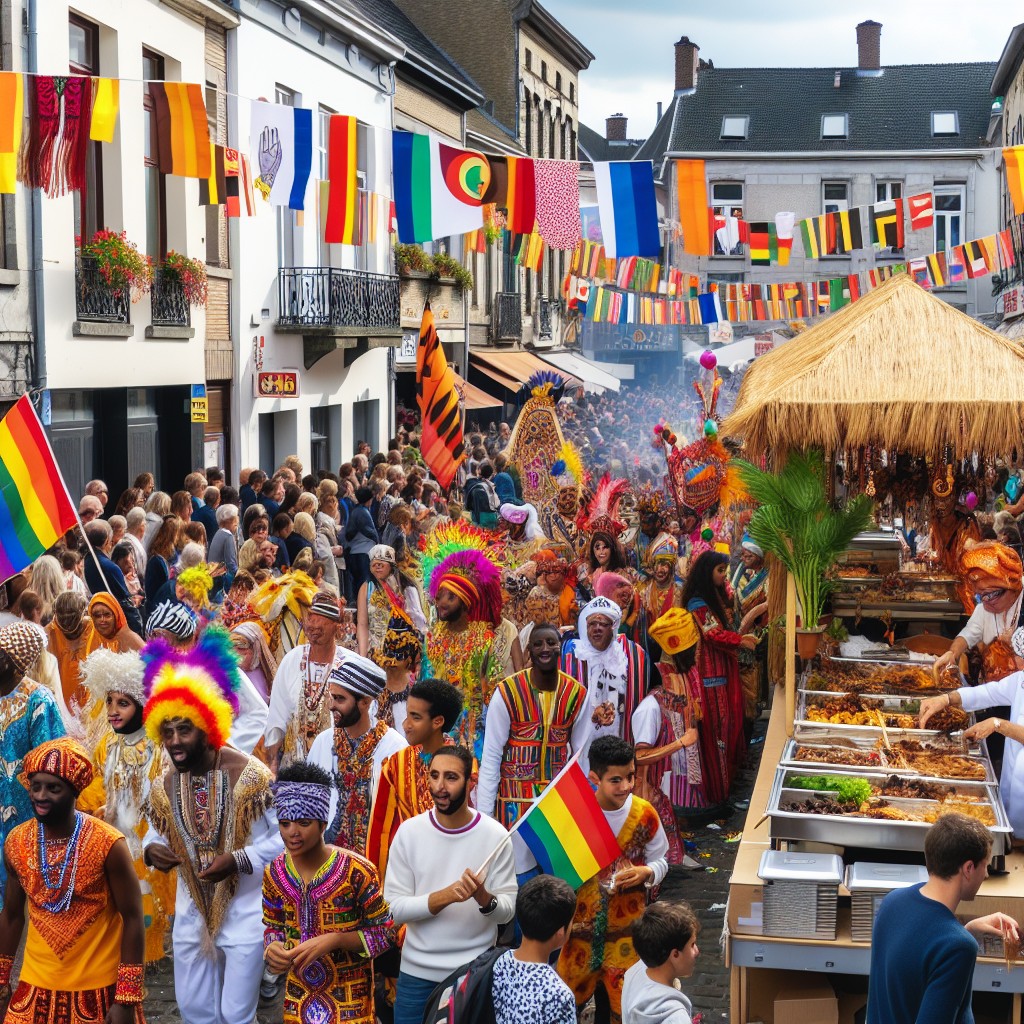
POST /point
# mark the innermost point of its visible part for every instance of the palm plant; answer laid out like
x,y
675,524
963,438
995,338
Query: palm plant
x,y
796,523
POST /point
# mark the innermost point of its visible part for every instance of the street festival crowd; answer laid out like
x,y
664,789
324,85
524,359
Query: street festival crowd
x,y
313,705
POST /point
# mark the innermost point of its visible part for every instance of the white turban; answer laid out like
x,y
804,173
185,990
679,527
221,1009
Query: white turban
x,y
599,606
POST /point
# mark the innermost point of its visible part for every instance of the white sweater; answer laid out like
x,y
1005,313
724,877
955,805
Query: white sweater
x,y
424,858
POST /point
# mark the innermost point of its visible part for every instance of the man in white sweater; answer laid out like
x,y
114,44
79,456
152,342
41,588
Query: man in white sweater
x,y
450,908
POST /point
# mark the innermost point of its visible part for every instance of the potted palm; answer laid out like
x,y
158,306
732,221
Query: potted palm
x,y
795,522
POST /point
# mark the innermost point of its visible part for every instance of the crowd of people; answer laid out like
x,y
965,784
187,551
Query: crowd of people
x,y
304,713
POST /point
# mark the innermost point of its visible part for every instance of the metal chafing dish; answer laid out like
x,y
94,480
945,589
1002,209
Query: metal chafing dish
x,y
846,830
869,668
892,704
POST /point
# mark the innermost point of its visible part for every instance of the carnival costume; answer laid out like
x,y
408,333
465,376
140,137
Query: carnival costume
x,y
600,514
280,604
218,962
640,546
658,599
953,531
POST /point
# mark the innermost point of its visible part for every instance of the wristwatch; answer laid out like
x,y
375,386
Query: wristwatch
x,y
491,907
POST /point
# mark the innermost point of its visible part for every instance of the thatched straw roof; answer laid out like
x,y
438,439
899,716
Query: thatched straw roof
x,y
898,368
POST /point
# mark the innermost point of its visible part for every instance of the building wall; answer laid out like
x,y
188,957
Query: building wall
x,y
427,110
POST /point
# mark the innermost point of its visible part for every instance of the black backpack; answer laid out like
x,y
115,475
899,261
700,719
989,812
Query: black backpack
x,y
464,997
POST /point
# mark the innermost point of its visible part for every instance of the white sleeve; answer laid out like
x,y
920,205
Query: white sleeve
x,y
321,753
582,727
390,744
415,609
655,853
646,722
991,695
283,699
974,631
495,738
265,841
252,718
400,884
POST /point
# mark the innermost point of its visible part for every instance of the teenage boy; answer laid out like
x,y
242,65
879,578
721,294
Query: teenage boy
x,y
524,986
665,939
324,914
922,957
599,950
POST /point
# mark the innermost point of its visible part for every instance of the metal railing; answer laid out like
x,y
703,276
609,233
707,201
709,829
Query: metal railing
x,y
507,316
329,297
169,307
545,317
95,300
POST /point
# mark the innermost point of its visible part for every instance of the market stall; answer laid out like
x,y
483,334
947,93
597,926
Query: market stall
x,y
847,785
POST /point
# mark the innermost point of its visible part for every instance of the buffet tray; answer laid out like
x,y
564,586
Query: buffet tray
x,y
872,833
884,702
868,735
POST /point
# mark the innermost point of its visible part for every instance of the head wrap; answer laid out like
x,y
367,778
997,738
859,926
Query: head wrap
x,y
23,643
675,631
988,559
474,579
607,669
300,801
106,671
63,757
173,617
383,553
1017,642
359,676
113,606
547,560
599,606
666,551
752,546
256,635
201,685
326,606
608,583
402,643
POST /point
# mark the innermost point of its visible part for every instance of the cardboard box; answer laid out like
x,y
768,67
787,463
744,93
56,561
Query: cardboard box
x,y
812,1003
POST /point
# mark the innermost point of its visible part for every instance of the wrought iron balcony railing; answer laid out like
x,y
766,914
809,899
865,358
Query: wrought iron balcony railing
x,y
169,306
508,316
325,297
95,300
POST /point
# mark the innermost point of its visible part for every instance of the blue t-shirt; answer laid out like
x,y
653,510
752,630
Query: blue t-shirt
x,y
922,963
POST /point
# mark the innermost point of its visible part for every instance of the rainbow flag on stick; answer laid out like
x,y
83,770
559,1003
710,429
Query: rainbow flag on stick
x,y
35,507
566,830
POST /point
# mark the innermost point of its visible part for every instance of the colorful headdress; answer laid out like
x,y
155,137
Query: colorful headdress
x,y
301,801
675,631
173,618
402,643
448,538
545,384
599,606
602,511
197,582
989,559
201,685
666,551
550,560
474,579
360,676
22,642
63,757
609,582
106,671
112,605
294,592
749,544
326,606
567,469
651,502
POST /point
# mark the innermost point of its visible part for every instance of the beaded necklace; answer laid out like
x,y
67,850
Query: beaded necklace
x,y
200,806
314,687
63,901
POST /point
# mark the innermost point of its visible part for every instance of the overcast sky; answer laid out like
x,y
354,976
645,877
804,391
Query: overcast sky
x,y
634,57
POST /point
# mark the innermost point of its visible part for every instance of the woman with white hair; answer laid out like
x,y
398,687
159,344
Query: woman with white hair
x,y
386,592
49,583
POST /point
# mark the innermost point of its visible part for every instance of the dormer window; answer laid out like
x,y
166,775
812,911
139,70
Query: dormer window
x,y
735,126
835,126
945,123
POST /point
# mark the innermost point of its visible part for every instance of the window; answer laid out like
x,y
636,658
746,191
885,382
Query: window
x,y
945,123
529,60
319,428
155,182
835,126
949,213
572,92
286,247
558,81
735,126
543,70
528,124
84,46
884,192
727,205
835,196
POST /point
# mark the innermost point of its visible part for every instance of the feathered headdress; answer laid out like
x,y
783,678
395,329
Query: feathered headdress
x,y
106,671
447,538
567,469
201,685
544,384
294,592
602,511
197,582
474,579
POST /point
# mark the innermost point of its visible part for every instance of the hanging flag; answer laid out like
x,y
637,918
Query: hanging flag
x,y
439,190
232,181
1004,244
921,211
764,244
12,106
887,224
35,507
182,132
106,94
281,141
694,212
513,186
956,265
990,247
837,297
1013,161
976,262
558,202
628,208
920,274
60,109
937,268
213,190
848,231
710,308
246,184
810,229
729,232
441,442
853,287
784,233
342,165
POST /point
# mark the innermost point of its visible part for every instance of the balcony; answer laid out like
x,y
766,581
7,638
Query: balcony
x,y
99,309
171,314
507,316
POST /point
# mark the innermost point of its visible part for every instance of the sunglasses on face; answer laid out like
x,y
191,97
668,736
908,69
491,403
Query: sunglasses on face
x,y
991,595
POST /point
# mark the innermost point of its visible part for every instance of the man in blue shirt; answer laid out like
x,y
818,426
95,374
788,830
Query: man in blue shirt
x,y
922,957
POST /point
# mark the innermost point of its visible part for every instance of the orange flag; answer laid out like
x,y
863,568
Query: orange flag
x,y
441,442
693,207
1013,157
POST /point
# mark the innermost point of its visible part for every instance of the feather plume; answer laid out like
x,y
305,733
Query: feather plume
x,y
448,538
481,571
571,465
602,511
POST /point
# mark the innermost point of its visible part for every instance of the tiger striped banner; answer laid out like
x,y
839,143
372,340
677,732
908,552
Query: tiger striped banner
x,y
438,401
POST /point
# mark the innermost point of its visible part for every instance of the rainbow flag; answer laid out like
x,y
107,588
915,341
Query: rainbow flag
x,y
566,830
35,507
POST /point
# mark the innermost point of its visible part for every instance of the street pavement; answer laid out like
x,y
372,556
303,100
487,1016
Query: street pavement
x,y
715,844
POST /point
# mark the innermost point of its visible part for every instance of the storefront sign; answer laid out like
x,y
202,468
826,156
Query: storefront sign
x,y
407,353
200,405
277,384
1013,302
763,343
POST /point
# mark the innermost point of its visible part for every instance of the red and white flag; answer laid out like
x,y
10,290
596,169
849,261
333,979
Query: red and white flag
x,y
922,212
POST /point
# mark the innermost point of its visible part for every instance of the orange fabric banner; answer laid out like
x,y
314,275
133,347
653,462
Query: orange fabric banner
x,y
693,207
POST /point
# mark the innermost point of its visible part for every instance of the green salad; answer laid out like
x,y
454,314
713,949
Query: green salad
x,y
847,790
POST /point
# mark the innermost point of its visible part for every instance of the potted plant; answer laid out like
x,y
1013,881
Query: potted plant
x,y
795,523
119,262
446,266
190,274
411,259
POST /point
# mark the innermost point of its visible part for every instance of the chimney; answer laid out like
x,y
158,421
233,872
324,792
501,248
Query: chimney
x,y
869,46
615,128
687,63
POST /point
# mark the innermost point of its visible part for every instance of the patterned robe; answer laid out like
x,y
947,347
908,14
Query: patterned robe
x,y
345,895
402,793
637,675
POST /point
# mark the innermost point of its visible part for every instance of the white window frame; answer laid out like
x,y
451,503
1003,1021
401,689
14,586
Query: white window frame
x,y
726,207
940,133
835,205
947,217
735,127
845,134
886,190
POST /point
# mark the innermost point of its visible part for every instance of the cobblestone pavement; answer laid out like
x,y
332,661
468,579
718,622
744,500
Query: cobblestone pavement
x,y
706,891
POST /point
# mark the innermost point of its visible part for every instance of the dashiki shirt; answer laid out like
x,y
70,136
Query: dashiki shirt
x,y
345,895
28,716
354,779
537,749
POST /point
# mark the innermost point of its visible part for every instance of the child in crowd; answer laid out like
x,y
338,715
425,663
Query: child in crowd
x,y
665,939
525,987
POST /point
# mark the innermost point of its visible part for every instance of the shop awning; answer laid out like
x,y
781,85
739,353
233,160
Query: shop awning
x,y
595,379
513,369
474,397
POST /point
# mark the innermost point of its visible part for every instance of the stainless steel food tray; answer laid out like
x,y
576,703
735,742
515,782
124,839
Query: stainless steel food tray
x,y
886,702
866,736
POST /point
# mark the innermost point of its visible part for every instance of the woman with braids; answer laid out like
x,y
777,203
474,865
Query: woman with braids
x,y
722,745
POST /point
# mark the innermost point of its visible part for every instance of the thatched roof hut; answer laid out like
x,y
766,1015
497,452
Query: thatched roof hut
x,y
898,368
